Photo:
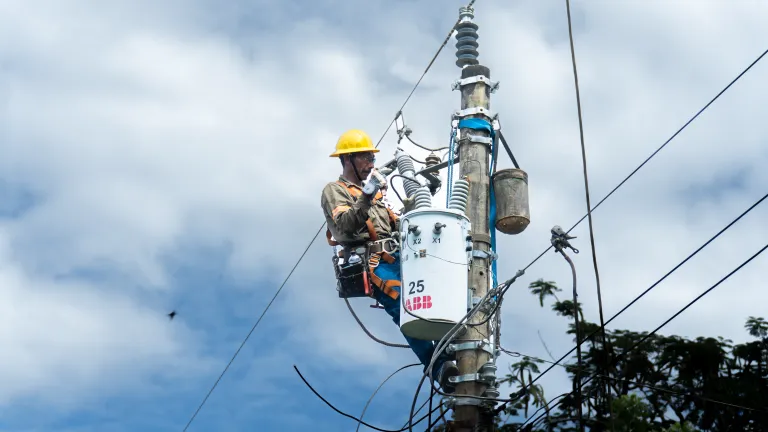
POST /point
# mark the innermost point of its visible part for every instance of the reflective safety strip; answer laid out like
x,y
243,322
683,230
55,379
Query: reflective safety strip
x,y
339,209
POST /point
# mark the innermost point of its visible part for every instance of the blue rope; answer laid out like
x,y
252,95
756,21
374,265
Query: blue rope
x,y
482,124
449,190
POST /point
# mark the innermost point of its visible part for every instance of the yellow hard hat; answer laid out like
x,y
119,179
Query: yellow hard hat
x,y
354,141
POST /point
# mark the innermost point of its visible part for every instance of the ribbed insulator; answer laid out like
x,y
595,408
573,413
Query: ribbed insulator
x,y
466,39
459,196
431,160
413,189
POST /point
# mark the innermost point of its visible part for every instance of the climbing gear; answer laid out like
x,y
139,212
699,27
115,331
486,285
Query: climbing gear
x,y
354,141
355,279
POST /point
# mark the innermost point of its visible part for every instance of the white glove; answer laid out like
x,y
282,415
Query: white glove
x,y
381,179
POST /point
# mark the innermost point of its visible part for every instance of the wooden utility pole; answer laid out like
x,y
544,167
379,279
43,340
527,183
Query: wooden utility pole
x,y
474,151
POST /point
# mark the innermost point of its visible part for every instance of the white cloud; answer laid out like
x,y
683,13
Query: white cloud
x,y
143,129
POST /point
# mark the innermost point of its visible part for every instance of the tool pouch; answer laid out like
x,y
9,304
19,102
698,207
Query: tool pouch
x,y
352,279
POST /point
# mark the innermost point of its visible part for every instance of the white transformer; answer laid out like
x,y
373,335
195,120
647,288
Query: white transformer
x,y
435,255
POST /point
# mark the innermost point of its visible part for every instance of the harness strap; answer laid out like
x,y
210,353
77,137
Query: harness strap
x,y
386,287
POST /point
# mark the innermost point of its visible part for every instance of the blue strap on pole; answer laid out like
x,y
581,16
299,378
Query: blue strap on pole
x,y
482,124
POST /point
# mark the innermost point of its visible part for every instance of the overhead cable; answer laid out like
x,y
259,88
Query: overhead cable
x,y
429,66
589,216
641,384
252,329
349,415
675,315
657,151
655,284
379,388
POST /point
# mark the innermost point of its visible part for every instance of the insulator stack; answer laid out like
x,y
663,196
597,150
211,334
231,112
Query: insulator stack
x,y
432,160
466,39
459,196
413,189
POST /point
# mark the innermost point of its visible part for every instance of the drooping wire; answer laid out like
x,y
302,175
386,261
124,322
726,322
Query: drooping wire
x,y
675,315
656,151
408,98
349,415
379,388
362,326
654,285
589,216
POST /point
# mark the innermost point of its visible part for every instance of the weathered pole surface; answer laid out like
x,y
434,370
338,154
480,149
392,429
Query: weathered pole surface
x,y
474,166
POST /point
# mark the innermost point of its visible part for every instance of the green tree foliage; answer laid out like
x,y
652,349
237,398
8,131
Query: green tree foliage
x,y
666,384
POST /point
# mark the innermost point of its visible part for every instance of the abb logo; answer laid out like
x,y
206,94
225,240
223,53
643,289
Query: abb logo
x,y
419,302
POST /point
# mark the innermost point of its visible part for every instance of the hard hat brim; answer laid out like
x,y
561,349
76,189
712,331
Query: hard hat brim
x,y
354,150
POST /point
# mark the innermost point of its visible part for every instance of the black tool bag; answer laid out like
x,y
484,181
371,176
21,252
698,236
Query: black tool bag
x,y
352,275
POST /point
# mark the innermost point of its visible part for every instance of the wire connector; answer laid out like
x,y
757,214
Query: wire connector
x,y
560,240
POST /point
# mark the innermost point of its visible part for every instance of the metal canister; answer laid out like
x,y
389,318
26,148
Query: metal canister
x,y
510,188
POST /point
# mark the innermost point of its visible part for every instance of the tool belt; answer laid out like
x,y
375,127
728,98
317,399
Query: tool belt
x,y
356,280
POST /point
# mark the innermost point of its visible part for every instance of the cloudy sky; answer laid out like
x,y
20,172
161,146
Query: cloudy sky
x,y
170,155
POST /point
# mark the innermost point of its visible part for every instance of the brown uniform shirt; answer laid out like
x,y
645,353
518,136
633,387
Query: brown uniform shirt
x,y
346,211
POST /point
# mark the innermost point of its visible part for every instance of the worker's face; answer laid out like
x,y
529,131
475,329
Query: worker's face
x,y
364,162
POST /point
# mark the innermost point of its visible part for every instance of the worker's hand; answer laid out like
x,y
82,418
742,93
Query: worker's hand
x,y
380,178
371,187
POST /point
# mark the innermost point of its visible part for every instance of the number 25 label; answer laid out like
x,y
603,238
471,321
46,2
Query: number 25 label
x,y
416,287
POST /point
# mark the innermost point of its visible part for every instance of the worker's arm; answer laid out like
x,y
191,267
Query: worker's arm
x,y
348,215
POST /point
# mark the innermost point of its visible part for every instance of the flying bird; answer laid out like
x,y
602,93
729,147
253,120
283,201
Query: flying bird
x,y
172,314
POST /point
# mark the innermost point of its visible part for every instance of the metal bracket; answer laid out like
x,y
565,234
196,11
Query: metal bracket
x,y
470,345
455,401
475,377
473,111
487,141
459,83
485,255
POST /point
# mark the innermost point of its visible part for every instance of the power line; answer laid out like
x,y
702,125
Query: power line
x,y
431,62
429,66
351,416
656,152
760,57
655,284
589,214
639,384
675,315
252,329
365,408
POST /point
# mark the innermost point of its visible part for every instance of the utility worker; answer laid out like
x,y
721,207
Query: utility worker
x,y
356,215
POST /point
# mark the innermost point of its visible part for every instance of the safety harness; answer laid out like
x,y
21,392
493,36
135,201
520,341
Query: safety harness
x,y
375,248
